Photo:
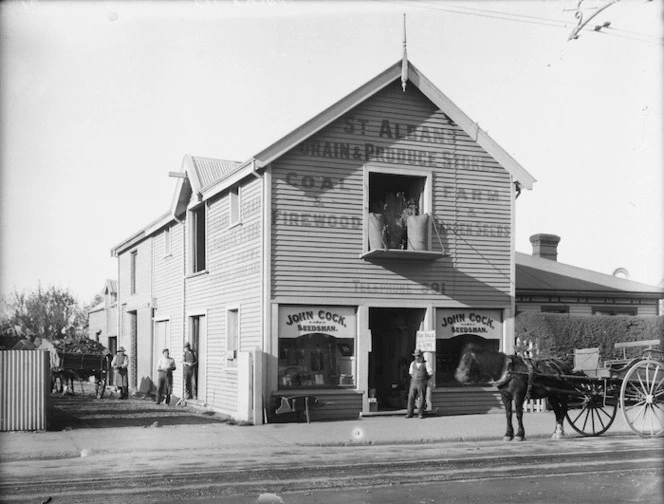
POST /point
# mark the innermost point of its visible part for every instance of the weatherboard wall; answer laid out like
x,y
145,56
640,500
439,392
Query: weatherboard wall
x,y
169,290
136,308
318,209
232,281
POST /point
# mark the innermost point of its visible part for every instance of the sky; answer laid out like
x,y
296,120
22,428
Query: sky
x,y
100,100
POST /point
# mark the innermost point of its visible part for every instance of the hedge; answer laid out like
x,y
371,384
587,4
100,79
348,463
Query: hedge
x,y
557,335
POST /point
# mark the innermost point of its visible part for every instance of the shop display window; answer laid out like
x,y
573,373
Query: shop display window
x,y
448,353
316,360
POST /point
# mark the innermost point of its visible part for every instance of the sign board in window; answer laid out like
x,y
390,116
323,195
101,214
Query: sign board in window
x,y
296,321
484,323
426,341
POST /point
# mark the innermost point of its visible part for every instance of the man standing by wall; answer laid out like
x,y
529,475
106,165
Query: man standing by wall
x,y
420,372
189,361
165,368
120,363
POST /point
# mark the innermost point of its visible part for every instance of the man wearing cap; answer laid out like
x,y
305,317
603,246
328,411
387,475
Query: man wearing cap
x,y
420,373
165,369
120,363
189,361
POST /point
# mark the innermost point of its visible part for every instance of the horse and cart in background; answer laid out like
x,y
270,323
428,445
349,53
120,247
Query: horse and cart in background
x,y
68,367
588,395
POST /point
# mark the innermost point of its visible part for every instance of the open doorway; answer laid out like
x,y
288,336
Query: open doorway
x,y
393,334
112,348
198,341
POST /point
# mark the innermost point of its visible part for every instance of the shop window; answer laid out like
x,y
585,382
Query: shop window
x,y
198,239
448,353
316,360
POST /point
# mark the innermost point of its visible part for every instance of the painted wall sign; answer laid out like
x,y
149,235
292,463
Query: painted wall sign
x,y
484,323
375,141
362,139
295,321
426,341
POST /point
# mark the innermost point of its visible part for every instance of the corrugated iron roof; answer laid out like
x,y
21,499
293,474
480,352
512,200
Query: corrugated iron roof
x,y
211,170
539,274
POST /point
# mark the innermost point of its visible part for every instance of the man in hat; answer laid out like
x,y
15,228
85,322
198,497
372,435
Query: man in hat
x,y
189,361
420,373
120,363
165,369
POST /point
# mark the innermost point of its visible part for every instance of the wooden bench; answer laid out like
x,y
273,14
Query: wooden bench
x,y
297,404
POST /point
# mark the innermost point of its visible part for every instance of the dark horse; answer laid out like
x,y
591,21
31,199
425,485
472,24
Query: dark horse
x,y
517,379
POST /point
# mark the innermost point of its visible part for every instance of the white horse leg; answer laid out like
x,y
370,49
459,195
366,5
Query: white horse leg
x,y
559,433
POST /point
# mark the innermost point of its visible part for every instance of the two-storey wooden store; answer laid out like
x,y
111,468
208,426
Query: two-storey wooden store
x,y
316,267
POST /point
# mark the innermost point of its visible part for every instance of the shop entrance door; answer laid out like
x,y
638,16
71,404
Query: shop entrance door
x,y
393,333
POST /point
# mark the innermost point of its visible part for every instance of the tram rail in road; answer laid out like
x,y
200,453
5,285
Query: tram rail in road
x,y
305,472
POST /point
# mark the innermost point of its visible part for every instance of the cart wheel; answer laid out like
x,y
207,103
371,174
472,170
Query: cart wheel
x,y
642,398
100,386
588,413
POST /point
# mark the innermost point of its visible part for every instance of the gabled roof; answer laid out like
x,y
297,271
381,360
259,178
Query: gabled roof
x,y
202,173
210,170
111,286
536,274
416,78
208,177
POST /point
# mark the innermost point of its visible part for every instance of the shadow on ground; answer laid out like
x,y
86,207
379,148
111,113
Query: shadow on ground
x,y
83,410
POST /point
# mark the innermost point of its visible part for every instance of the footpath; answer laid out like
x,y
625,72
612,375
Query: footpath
x,y
137,426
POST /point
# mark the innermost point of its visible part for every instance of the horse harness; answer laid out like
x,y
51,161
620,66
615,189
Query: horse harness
x,y
508,372
531,365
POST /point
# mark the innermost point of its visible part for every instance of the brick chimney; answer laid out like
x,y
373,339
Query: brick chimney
x,y
545,245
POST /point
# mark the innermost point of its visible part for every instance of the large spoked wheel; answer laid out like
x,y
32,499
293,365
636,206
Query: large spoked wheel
x,y
100,385
642,398
589,413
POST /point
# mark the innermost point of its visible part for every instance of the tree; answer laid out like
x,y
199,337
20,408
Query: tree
x,y
53,314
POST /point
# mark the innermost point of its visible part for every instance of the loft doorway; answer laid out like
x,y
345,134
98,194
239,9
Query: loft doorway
x,y
393,335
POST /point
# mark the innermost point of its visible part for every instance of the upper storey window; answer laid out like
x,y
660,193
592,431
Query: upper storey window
x,y
235,205
167,241
198,229
132,273
398,220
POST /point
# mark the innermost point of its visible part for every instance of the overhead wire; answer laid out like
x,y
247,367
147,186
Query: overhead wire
x,y
527,19
486,13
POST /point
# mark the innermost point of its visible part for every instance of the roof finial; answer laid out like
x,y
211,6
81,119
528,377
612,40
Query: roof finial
x,y
404,61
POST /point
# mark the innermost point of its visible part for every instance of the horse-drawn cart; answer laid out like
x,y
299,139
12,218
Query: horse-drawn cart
x,y
84,366
636,385
587,395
